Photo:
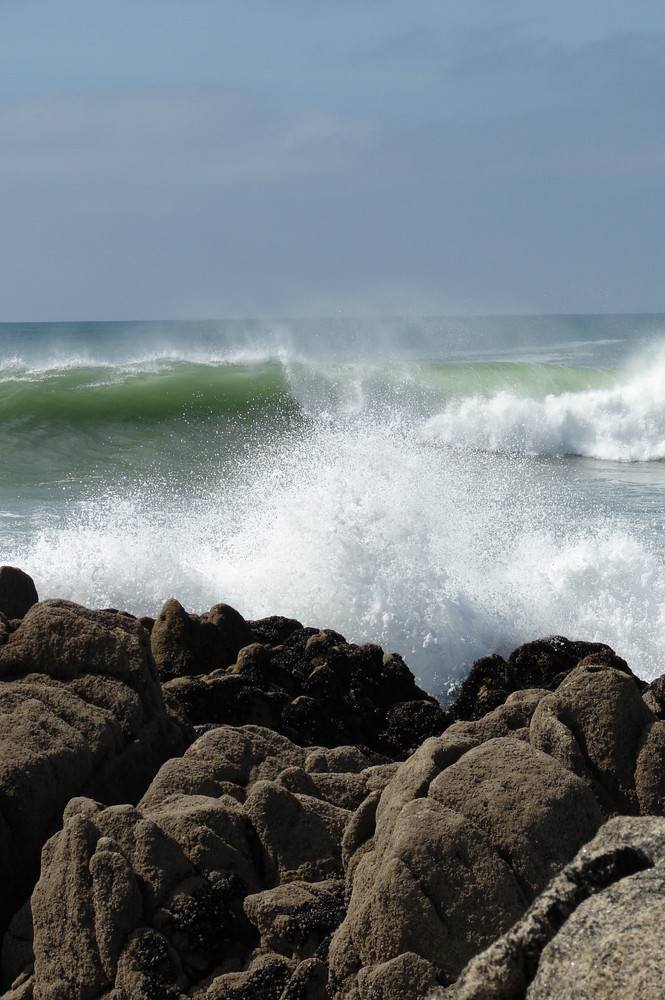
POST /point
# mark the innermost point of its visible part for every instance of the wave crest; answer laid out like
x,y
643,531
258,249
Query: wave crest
x,y
623,423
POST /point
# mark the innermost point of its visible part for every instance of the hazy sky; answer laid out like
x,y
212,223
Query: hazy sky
x,y
221,158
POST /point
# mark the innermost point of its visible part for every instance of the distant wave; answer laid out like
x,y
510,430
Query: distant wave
x,y
142,391
623,422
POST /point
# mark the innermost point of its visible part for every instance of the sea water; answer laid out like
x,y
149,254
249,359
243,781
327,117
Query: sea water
x,y
444,487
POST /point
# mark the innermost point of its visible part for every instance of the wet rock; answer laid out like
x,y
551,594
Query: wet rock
x,y
540,664
17,592
188,644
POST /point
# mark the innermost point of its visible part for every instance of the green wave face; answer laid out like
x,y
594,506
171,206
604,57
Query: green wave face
x,y
520,378
85,396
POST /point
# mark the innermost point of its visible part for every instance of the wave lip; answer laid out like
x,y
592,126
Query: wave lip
x,y
622,423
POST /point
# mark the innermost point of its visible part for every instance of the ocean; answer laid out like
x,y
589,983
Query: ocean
x,y
444,487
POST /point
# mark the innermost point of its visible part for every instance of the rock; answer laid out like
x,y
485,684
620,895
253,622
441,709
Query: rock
x,y
540,664
594,932
81,712
148,967
595,723
266,979
533,811
308,982
514,816
625,960
654,696
407,977
187,644
294,919
312,686
417,897
301,836
650,771
17,592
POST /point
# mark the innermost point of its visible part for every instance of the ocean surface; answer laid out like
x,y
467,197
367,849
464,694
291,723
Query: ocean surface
x,y
444,487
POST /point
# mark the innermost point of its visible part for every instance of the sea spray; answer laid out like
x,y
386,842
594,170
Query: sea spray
x,y
442,508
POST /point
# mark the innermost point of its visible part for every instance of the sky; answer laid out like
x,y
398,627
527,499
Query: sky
x,y
172,159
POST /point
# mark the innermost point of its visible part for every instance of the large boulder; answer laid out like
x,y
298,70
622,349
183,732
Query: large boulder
x,y
17,592
81,712
596,724
464,838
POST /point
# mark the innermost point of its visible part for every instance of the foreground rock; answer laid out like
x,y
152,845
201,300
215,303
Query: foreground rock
x,y
256,868
523,833
81,712
595,933
222,882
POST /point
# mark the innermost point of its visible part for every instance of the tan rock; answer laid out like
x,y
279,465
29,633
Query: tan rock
x,y
533,811
301,836
594,723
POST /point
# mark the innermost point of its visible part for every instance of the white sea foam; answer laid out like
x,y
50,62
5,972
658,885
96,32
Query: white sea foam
x,y
624,423
439,554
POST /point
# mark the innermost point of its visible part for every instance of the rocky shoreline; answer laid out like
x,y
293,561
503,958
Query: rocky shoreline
x,y
200,806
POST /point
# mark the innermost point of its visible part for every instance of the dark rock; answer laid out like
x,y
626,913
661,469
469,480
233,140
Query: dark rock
x,y
410,723
17,592
654,696
540,664
312,685
275,630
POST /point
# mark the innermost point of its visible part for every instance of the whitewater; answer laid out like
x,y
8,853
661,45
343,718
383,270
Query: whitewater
x,y
444,487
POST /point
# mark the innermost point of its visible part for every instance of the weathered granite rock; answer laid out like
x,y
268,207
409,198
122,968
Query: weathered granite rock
x,y
595,723
295,918
511,815
267,977
81,712
534,812
301,836
188,644
594,932
255,866
17,592
157,897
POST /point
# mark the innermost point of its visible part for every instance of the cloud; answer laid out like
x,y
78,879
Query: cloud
x,y
187,135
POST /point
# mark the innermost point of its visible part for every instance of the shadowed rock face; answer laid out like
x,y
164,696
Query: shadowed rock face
x,y
81,711
17,592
